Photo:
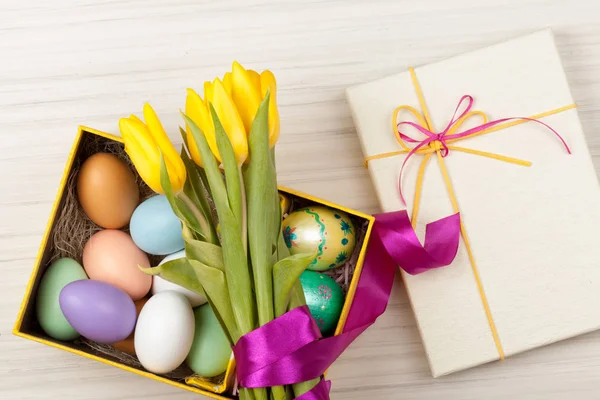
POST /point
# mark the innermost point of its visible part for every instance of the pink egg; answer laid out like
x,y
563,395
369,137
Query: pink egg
x,y
112,256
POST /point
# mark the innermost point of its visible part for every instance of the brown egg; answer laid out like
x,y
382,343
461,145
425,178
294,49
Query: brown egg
x,y
126,345
111,256
107,190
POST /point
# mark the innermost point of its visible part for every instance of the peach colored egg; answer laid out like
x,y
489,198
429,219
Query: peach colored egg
x,y
112,256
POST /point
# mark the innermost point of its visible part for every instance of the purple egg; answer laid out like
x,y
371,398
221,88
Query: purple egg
x,y
98,311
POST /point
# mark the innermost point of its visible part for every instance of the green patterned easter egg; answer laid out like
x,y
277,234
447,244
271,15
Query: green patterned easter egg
x,y
324,298
320,229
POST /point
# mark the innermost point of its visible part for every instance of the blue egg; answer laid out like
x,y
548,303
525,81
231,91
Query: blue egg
x,y
155,228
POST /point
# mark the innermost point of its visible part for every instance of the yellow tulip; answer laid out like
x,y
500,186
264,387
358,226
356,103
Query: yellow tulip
x,y
199,111
248,90
144,143
236,99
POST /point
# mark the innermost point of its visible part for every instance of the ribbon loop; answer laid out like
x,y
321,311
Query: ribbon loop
x,y
254,352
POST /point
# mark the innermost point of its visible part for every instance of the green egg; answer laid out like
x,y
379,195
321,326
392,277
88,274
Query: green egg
x,y
210,351
324,298
58,275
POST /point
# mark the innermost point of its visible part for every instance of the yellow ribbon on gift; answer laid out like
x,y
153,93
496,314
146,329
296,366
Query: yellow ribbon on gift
x,y
438,148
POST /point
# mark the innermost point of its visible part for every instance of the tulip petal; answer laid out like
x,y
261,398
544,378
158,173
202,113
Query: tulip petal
x,y
136,118
231,120
138,156
135,130
208,93
196,109
158,133
268,83
161,139
227,83
246,95
255,79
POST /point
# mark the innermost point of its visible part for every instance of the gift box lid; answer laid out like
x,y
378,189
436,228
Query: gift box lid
x,y
528,274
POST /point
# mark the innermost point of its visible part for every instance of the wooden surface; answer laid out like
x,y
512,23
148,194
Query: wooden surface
x,y
65,63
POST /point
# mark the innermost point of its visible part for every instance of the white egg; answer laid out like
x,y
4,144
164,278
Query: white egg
x,y
164,332
160,285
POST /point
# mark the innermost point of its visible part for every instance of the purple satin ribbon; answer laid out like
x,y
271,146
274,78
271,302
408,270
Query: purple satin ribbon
x,y
290,349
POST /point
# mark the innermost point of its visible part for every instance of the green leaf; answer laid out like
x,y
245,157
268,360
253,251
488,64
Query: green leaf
x,y
206,253
188,188
187,233
184,137
263,216
234,254
165,182
199,169
195,190
282,249
204,179
285,275
215,285
214,177
297,299
186,212
190,216
232,171
179,272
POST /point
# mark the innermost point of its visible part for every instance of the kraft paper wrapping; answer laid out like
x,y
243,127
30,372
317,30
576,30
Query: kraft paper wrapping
x,y
533,230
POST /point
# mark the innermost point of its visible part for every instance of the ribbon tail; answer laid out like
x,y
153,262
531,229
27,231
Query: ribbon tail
x,y
319,392
287,349
442,238
403,246
312,359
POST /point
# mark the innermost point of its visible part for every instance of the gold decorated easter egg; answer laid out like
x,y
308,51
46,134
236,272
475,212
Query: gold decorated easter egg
x,y
328,232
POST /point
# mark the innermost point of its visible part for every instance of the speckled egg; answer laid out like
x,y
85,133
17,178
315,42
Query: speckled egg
x,y
324,298
327,231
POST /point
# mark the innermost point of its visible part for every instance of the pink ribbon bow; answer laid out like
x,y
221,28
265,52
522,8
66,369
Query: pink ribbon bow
x,y
443,137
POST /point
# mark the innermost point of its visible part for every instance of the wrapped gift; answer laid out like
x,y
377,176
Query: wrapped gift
x,y
526,270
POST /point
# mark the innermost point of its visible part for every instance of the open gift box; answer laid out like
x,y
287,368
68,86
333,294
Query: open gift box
x,y
89,141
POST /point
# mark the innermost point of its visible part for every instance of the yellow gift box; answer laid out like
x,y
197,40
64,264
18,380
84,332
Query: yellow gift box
x,y
27,327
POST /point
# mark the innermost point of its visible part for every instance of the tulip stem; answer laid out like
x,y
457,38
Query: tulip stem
x,y
244,213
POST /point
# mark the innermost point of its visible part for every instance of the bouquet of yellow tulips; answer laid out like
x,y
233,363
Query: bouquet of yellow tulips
x,y
243,268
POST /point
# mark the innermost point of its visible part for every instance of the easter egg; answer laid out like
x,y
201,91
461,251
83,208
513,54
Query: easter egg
x,y
324,298
111,256
164,332
155,228
285,203
211,351
160,285
126,345
107,190
328,232
98,311
51,318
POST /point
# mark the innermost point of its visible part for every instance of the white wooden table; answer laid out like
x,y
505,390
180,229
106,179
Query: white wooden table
x,y
65,63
